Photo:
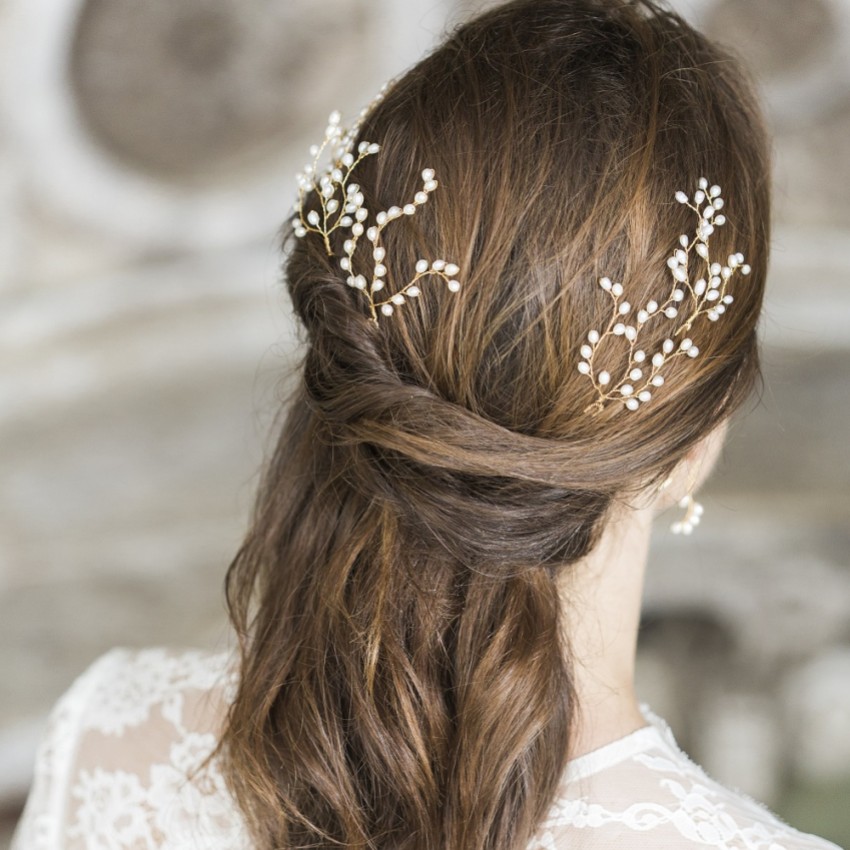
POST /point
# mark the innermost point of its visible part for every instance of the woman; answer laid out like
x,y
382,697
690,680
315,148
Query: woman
x,y
527,322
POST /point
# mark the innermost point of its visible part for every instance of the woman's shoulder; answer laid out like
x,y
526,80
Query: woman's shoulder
x,y
644,792
126,688
121,751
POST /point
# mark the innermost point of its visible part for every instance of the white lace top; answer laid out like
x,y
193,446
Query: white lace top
x,y
111,774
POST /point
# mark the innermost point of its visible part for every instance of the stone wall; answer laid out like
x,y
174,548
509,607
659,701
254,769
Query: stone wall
x,y
146,160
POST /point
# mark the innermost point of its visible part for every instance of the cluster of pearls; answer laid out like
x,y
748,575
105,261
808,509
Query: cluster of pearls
x,y
685,302
342,206
693,514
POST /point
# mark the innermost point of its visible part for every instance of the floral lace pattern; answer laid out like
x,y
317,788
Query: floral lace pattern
x,y
117,770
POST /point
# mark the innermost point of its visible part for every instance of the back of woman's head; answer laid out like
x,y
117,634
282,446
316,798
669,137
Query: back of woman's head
x,y
405,681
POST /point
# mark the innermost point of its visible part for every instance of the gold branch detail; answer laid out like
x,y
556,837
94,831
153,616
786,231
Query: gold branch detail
x,y
685,302
342,207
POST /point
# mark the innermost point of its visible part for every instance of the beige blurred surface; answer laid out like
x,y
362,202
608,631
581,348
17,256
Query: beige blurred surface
x,y
145,164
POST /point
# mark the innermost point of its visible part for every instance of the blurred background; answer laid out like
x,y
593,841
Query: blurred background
x,y
147,158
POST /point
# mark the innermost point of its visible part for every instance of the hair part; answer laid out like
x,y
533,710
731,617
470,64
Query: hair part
x,y
405,681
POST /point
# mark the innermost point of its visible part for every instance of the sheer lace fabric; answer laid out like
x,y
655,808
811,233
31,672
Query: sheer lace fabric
x,y
116,771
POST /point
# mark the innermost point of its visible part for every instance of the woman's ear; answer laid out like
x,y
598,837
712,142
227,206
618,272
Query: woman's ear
x,y
692,471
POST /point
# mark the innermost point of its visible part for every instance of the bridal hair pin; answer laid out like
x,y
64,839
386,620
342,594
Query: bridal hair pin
x,y
706,296
342,208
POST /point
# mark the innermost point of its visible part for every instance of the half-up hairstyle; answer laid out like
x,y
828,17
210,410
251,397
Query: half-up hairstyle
x,y
405,680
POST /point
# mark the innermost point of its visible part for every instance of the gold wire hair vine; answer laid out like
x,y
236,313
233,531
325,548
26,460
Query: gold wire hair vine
x,y
342,207
706,296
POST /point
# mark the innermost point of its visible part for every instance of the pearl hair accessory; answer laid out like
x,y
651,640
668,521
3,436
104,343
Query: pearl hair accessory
x,y
706,296
342,207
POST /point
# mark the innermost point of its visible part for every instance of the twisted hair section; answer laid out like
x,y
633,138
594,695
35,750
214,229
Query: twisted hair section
x,y
406,679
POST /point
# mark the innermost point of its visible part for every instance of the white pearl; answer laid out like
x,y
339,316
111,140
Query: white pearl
x,y
428,174
381,218
671,312
373,148
657,360
699,197
332,205
627,389
714,191
313,217
636,374
430,185
702,250
658,380
703,183
745,269
454,285
586,351
398,298
652,307
372,234
360,282
680,274
584,367
413,291
678,295
681,197
667,346
344,263
452,269
631,333
409,209
624,308
619,329
699,287
438,265
361,214
605,283
386,309
377,285
645,395
693,351
421,266
380,270
604,378
420,197
357,229
685,344
393,212
632,404
617,289
593,337
378,254
720,220
639,356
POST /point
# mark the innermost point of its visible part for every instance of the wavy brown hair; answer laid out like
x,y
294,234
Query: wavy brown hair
x,y
405,680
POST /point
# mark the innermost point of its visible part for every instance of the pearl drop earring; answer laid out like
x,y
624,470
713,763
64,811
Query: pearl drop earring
x,y
693,513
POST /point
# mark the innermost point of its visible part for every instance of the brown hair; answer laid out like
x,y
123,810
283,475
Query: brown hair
x,y
404,679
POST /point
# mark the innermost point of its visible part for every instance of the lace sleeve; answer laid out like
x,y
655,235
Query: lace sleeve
x,y
40,826
118,767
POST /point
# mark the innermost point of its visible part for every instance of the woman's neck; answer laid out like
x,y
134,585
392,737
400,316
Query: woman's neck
x,y
601,599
